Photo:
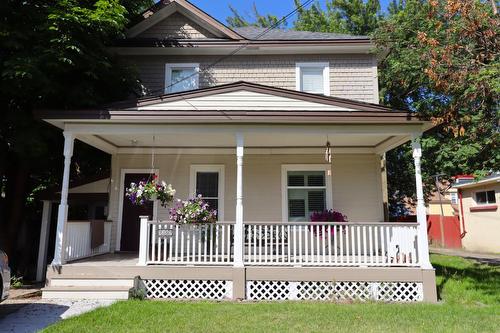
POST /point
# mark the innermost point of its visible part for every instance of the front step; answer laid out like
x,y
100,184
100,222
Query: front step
x,y
85,292
78,282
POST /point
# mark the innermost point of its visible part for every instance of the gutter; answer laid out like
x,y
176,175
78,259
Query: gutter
x,y
462,217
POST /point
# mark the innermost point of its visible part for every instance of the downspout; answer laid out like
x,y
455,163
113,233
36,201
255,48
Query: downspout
x,y
462,217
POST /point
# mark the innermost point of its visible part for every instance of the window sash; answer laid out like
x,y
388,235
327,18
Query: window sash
x,y
175,73
301,201
485,197
313,77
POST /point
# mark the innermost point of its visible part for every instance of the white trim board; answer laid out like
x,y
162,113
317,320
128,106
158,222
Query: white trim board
x,y
220,168
304,167
120,201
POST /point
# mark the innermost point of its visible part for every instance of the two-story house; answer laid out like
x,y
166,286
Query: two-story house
x,y
268,126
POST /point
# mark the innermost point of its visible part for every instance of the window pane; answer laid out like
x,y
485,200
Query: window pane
x,y
213,204
316,201
302,203
183,79
207,184
306,178
481,197
295,179
491,197
312,80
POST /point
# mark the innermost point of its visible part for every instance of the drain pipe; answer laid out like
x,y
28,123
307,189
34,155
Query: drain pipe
x,y
462,217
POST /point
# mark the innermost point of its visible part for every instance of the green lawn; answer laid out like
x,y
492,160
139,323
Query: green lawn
x,y
469,292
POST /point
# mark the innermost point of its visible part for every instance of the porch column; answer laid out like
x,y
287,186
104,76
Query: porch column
x,y
238,228
423,243
44,238
62,213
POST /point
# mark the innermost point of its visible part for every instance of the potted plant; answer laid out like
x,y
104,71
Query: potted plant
x,y
327,215
148,190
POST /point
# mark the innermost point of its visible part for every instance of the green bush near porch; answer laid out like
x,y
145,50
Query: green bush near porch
x,y
469,292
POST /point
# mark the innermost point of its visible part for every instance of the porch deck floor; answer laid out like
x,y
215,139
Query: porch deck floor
x,y
108,259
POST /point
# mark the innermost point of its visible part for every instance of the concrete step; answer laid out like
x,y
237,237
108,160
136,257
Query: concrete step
x,y
85,292
79,282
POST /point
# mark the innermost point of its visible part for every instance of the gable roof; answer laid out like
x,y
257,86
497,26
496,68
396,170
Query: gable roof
x,y
165,8
254,33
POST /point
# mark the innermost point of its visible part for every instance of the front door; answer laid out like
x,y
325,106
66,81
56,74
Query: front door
x,y
130,215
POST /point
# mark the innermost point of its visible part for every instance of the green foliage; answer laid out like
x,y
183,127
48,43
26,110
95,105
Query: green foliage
x,y
357,17
16,282
255,20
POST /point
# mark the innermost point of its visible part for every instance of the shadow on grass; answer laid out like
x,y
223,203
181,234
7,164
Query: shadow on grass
x,y
479,277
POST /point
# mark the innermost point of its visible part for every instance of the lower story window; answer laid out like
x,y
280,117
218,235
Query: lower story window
x,y
306,192
208,181
485,197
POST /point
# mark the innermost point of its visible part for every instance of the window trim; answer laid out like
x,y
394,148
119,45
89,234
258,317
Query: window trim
x,y
168,73
487,203
304,167
326,75
220,168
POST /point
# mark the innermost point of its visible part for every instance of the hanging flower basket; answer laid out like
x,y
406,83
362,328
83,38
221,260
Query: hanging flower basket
x,y
193,212
149,190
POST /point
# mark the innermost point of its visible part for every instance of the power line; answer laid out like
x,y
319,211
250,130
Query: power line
x,y
234,52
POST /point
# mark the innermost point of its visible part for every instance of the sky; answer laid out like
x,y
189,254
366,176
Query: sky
x,y
220,8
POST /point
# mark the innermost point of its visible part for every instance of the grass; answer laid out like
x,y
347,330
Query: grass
x,y
469,292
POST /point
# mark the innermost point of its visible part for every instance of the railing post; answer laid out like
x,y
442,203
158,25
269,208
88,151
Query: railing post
x,y
143,241
422,240
62,213
238,228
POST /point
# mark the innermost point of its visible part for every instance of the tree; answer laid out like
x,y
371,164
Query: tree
x,y
53,55
443,63
263,21
357,17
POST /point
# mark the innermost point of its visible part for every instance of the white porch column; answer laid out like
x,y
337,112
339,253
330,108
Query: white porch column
x,y
62,213
423,243
44,238
238,228
143,240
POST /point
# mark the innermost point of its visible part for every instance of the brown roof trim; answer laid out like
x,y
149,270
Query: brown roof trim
x,y
259,88
199,13
254,117
152,42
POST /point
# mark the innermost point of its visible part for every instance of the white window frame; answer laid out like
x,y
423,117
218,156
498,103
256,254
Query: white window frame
x,y
454,197
168,73
123,172
304,167
487,202
209,168
326,75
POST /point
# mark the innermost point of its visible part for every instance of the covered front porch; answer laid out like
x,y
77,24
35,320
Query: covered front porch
x,y
266,171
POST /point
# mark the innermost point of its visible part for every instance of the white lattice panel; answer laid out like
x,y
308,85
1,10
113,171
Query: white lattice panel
x,y
335,291
268,290
189,289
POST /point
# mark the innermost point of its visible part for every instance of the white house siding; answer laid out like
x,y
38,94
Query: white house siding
x,y
352,76
356,184
176,26
483,227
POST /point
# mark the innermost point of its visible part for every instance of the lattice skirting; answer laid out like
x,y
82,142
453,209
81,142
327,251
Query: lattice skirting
x,y
335,291
189,289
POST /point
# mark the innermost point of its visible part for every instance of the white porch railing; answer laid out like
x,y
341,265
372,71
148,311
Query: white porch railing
x,y
283,244
170,243
78,240
331,244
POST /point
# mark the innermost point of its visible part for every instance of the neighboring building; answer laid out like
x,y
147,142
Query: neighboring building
x,y
245,118
478,208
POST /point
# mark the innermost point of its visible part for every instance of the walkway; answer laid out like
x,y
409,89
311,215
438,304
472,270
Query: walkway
x,y
485,258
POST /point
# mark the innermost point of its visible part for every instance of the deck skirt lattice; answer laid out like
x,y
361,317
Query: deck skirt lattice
x,y
189,289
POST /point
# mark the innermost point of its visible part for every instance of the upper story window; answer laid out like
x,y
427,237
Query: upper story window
x,y
313,77
454,198
485,197
181,77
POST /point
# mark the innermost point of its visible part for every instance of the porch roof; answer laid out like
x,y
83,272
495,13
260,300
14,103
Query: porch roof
x,y
269,117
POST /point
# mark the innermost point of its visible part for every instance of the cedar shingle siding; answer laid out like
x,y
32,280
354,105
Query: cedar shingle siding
x,y
351,76
177,26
